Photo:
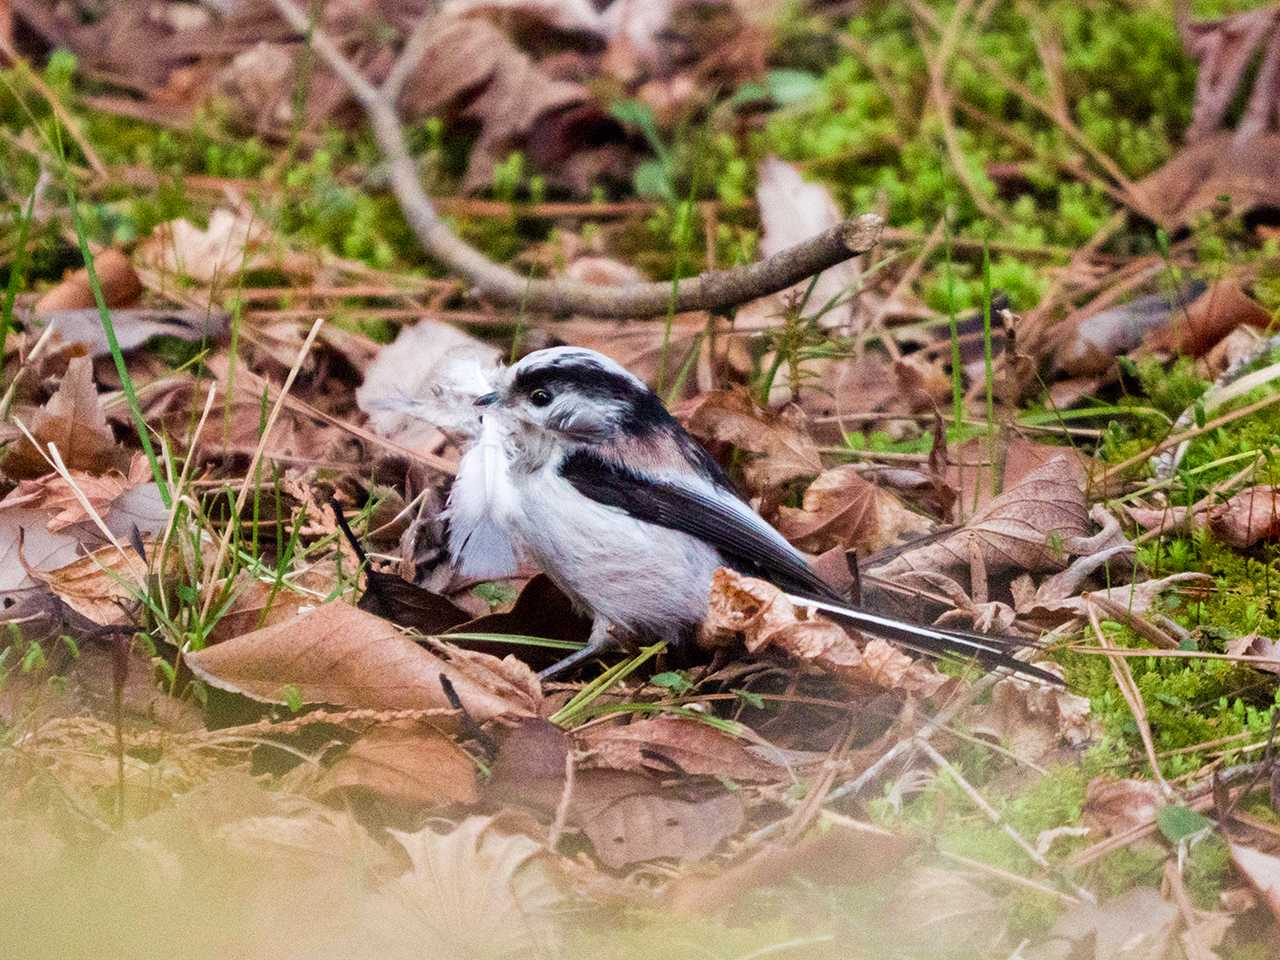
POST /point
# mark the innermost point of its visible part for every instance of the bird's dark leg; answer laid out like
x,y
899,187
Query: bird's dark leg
x,y
600,641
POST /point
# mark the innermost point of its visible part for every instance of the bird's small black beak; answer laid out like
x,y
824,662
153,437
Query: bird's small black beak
x,y
487,400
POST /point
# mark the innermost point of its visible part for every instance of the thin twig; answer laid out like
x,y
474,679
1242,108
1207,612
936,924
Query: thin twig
x,y
713,290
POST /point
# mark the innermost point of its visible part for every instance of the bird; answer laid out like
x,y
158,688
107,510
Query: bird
x,y
578,467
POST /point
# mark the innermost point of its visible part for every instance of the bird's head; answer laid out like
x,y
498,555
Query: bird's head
x,y
577,396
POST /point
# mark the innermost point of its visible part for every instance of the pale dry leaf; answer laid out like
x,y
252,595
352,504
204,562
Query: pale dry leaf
x,y
1251,516
933,906
1136,598
1027,528
640,826
1262,870
340,655
1034,719
407,762
1256,645
233,242
793,210
507,677
693,747
765,619
133,328
73,420
841,509
26,544
102,587
1137,925
779,444
1116,806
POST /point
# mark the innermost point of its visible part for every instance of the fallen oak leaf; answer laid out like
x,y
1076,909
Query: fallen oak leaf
x,y
766,620
1249,517
338,654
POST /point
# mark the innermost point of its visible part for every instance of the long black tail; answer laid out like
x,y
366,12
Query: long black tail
x,y
994,653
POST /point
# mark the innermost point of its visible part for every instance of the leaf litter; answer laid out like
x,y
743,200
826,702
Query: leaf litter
x,y
397,741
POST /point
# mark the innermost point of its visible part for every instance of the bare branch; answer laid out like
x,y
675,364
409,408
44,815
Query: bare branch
x,y
713,290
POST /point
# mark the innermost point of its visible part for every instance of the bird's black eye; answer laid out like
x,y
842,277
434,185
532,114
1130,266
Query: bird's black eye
x,y
539,397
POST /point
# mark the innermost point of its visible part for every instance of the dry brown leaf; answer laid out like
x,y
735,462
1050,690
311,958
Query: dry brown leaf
x,y
1247,172
1117,806
765,619
1262,870
687,745
1136,598
120,286
72,420
1249,517
979,469
1217,312
1034,719
1226,50
406,762
1137,925
841,509
1256,645
338,654
27,545
830,852
1033,526
1089,344
472,68
103,587
779,443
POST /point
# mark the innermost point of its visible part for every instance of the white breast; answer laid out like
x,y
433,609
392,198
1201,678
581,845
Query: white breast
x,y
644,578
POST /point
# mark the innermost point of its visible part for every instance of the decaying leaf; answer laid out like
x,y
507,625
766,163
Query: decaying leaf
x,y
765,619
1222,308
1197,178
1033,526
338,654
1033,719
779,443
1138,925
660,744
133,328
1116,806
1256,645
73,421
841,509
407,762
1251,516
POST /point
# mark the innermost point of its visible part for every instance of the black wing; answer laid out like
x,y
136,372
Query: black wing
x,y
742,538
747,545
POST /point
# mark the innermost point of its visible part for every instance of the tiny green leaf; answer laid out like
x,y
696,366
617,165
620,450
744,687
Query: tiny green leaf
x,y
1178,823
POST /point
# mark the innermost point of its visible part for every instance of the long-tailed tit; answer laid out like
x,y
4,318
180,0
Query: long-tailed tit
x,y
579,467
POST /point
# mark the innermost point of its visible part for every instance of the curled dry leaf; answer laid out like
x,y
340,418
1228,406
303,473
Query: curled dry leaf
x,y
687,745
1249,517
1217,312
1256,645
103,587
841,509
762,615
779,443
406,762
1116,806
27,546
1033,719
1031,527
1135,598
72,420
338,654
830,852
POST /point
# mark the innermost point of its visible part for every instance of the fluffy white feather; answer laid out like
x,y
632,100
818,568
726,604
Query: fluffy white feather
x,y
482,506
